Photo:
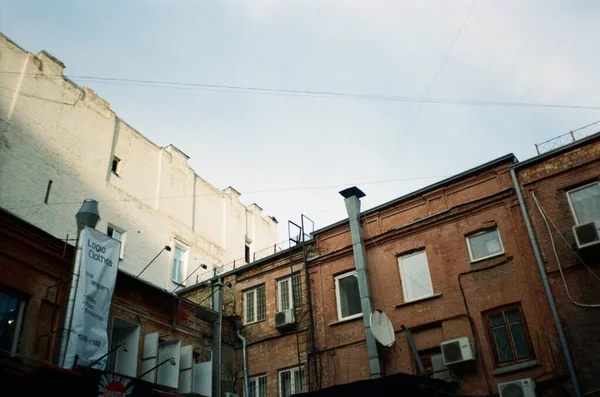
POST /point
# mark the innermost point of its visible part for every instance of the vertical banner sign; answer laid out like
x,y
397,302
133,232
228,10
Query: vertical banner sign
x,y
88,337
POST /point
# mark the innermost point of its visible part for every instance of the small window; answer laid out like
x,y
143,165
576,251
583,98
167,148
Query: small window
x,y
119,235
11,317
247,253
585,203
509,335
415,277
289,292
257,386
116,165
255,307
179,267
485,244
347,296
291,381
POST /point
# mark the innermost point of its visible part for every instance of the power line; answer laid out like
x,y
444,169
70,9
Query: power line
x,y
432,83
247,192
315,94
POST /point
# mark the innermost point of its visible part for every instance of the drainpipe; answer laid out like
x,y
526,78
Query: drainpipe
x,y
538,258
238,331
352,200
216,369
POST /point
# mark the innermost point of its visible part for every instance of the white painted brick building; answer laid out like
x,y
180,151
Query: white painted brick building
x,y
62,143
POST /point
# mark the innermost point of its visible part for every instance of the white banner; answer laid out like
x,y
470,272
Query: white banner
x,y
99,261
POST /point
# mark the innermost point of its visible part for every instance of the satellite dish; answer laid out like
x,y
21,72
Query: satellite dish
x,y
382,328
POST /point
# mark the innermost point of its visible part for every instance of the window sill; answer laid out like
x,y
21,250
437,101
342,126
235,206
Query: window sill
x,y
427,298
515,367
487,257
346,320
254,322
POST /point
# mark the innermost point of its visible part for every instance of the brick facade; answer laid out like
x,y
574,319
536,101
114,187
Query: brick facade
x,y
549,177
37,267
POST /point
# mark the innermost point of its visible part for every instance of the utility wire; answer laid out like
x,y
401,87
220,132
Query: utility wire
x,y
432,83
315,94
247,192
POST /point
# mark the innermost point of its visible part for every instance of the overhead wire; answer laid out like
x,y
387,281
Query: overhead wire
x,y
560,269
246,192
311,93
435,77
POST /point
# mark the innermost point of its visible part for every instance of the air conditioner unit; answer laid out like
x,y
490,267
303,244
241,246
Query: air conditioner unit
x,y
587,234
285,319
227,394
517,388
458,352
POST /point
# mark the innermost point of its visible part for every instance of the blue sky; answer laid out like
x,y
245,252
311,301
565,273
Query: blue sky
x,y
518,51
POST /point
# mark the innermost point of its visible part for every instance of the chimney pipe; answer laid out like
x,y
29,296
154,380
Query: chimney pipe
x,y
352,200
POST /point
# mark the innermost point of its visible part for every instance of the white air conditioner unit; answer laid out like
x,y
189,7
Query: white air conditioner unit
x,y
285,318
587,234
517,388
458,352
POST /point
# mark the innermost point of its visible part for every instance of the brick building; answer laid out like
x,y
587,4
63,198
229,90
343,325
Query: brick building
x,y
561,189
450,263
34,280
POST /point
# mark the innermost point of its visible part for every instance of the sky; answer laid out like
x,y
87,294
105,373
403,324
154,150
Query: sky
x,y
292,154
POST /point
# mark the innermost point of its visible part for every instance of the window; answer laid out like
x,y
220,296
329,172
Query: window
x,y
257,386
11,316
585,203
119,235
289,292
255,307
116,165
247,253
179,268
291,381
124,359
485,244
348,296
414,272
509,335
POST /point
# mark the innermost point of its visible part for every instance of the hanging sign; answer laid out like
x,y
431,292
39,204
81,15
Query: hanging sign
x,y
88,337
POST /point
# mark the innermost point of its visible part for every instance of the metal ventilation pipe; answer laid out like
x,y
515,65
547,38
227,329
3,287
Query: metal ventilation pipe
x,y
352,199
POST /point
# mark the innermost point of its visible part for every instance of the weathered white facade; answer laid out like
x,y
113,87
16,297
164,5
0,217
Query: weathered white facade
x,y
58,144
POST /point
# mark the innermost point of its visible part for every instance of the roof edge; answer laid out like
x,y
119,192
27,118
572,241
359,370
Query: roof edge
x,y
480,168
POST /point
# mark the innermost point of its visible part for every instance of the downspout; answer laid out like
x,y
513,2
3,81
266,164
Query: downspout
x,y
538,258
352,200
217,327
238,331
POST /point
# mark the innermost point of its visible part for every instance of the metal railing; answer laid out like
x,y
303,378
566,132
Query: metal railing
x,y
255,256
568,138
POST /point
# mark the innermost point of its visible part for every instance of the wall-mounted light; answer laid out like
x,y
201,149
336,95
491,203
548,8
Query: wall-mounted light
x,y
167,248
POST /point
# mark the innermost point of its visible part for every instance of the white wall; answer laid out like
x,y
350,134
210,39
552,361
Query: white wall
x,y
50,129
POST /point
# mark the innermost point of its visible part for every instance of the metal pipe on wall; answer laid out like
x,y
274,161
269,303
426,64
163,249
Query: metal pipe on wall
x,y
542,269
352,199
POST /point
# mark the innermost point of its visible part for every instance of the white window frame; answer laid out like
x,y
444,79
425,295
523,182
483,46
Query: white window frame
x,y
122,240
403,276
280,292
256,381
292,379
255,299
19,321
571,204
337,297
467,239
120,358
185,260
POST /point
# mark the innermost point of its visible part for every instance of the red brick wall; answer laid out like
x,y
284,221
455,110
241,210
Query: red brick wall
x,y
550,179
31,263
433,321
